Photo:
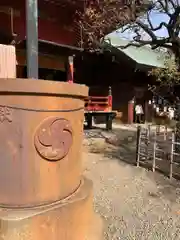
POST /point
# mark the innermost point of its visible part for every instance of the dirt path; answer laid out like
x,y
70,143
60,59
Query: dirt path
x,y
134,203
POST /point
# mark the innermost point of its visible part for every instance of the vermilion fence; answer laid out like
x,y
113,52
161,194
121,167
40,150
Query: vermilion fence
x,y
99,103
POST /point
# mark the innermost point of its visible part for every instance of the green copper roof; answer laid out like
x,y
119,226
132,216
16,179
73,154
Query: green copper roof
x,y
140,55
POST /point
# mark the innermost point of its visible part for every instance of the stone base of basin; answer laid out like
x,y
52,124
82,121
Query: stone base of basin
x,y
70,219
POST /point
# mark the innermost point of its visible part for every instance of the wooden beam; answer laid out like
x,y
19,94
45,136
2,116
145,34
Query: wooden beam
x,y
45,61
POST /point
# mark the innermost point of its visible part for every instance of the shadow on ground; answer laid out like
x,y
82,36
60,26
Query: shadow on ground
x,y
120,144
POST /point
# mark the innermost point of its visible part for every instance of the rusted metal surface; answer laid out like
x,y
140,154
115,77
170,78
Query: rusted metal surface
x,y
53,138
27,107
5,114
44,88
70,219
41,122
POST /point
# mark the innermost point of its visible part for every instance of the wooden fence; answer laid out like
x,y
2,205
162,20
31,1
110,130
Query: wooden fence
x,y
158,149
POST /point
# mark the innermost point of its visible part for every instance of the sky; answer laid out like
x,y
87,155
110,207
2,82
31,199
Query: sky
x,y
156,19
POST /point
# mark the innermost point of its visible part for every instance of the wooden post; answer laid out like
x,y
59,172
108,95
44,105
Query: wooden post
x,y
158,129
154,150
7,61
138,146
165,132
172,155
146,111
148,142
110,99
131,112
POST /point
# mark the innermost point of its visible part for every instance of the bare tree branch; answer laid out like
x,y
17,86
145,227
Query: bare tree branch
x,y
171,42
177,2
146,28
132,44
162,24
165,7
105,16
173,3
102,17
149,20
139,43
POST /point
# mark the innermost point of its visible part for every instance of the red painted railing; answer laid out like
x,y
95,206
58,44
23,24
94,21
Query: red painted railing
x,y
99,103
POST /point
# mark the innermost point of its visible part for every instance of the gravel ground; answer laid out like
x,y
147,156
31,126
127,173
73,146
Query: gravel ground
x,y
134,202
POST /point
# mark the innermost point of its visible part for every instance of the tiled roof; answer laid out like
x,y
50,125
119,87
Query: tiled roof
x,y
141,55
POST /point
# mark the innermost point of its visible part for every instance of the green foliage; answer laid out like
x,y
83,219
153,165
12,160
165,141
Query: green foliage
x,y
169,75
